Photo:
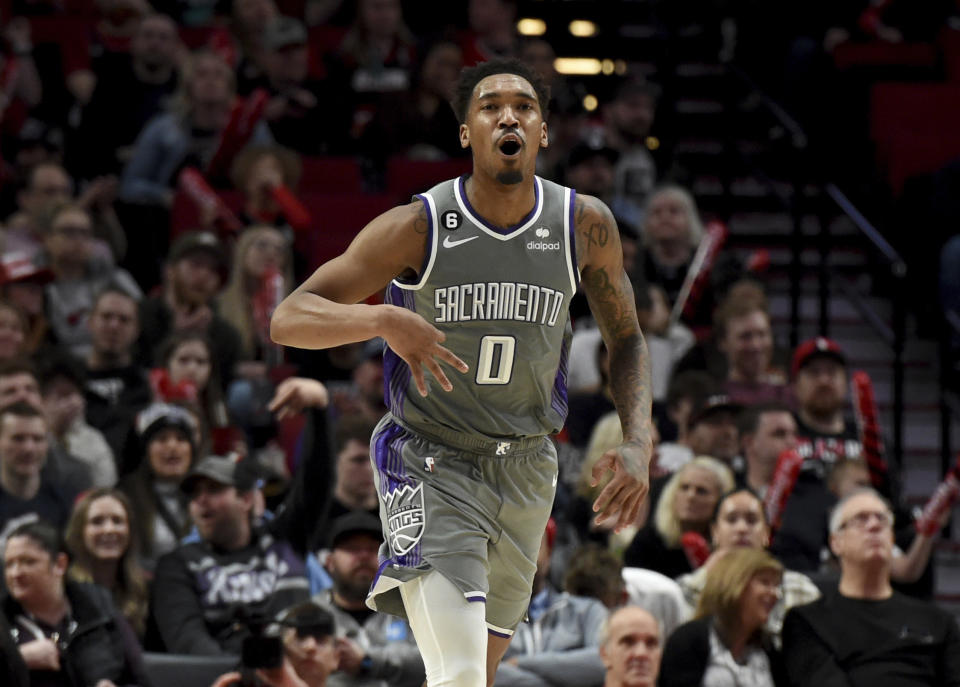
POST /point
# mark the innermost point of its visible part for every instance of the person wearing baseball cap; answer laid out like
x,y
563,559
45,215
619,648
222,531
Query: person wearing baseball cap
x,y
819,376
22,282
389,656
238,567
193,275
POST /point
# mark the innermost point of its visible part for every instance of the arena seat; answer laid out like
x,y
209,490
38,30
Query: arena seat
x,y
912,154
183,670
917,108
949,41
406,177
327,174
337,219
851,54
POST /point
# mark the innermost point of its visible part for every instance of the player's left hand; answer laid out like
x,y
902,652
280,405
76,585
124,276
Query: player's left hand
x,y
622,497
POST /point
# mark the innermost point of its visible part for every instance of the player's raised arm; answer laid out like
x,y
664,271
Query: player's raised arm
x,y
326,311
610,295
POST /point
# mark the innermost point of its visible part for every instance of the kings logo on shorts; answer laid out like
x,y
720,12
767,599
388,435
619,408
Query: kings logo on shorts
x,y
405,517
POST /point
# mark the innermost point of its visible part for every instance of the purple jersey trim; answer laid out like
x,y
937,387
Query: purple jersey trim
x,y
488,225
558,400
573,237
396,372
474,599
429,245
388,448
498,634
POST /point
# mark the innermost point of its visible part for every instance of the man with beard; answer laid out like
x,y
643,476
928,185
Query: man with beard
x,y
139,85
193,276
375,649
628,119
825,434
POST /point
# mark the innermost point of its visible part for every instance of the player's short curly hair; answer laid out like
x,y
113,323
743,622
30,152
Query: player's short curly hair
x,y
471,76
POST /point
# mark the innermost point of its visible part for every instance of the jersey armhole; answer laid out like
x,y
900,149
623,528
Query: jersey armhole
x,y
570,234
430,255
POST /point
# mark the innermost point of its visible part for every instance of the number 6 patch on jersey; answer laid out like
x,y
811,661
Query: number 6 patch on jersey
x,y
405,517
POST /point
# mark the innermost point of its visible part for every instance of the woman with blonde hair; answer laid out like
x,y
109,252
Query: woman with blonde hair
x,y
260,278
725,645
261,252
685,505
186,136
104,548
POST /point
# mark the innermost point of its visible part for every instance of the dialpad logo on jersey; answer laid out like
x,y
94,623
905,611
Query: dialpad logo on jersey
x,y
405,518
543,245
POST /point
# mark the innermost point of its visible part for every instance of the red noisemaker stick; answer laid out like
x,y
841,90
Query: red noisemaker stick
x,y
244,115
784,480
699,270
296,214
696,548
942,500
865,410
193,183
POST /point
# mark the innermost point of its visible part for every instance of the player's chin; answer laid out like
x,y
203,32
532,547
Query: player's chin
x,y
510,176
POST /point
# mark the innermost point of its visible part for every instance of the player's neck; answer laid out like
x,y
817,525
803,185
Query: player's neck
x,y
505,205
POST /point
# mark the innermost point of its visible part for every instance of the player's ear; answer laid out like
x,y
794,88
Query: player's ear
x,y
464,136
544,138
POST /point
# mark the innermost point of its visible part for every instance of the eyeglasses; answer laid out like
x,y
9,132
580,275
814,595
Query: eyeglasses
x,y
862,519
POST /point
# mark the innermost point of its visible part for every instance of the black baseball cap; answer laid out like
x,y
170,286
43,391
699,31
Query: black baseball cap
x,y
711,404
199,242
354,522
308,619
231,471
588,149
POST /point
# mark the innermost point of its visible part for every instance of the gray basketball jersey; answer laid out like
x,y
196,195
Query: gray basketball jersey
x,y
502,298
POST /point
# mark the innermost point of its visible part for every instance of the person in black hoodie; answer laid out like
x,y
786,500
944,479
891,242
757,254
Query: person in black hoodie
x,y
68,633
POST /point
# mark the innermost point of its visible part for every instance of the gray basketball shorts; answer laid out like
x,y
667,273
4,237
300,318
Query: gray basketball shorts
x,y
471,508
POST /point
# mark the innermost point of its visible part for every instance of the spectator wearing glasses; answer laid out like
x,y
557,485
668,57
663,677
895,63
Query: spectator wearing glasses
x,y
865,633
79,276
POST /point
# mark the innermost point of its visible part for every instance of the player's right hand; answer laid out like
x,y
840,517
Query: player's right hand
x,y
417,342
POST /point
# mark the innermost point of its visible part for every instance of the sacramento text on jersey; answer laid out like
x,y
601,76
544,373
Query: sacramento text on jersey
x,y
504,300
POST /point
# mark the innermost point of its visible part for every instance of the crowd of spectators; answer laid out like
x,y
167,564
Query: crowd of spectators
x,y
171,481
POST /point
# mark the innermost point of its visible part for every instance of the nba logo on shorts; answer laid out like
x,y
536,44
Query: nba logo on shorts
x,y
405,518
428,464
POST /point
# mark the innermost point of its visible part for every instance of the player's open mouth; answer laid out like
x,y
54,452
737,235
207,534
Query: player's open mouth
x,y
510,146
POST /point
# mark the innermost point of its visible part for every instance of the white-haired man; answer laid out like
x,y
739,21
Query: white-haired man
x,y
865,633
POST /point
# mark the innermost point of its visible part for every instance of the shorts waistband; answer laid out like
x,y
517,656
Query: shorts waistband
x,y
476,444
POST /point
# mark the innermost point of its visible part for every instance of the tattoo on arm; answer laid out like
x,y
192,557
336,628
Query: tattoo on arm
x,y
610,295
420,223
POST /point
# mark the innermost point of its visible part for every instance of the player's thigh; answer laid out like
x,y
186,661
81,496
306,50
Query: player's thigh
x,y
527,488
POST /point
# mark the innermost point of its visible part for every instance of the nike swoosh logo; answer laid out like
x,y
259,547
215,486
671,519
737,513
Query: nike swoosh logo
x,y
447,243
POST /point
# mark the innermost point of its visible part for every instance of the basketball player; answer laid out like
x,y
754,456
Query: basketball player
x,y
479,273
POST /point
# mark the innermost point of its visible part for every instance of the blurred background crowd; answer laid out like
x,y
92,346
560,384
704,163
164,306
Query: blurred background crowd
x,y
785,184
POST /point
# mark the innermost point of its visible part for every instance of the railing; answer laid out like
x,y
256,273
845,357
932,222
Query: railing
x,y
895,335
949,393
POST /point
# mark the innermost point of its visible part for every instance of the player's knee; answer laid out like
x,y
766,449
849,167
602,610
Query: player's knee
x,y
463,671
